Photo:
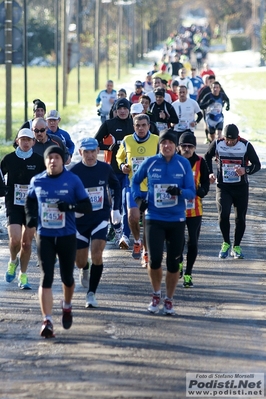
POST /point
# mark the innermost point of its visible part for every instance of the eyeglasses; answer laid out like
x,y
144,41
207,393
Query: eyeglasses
x,y
39,130
186,145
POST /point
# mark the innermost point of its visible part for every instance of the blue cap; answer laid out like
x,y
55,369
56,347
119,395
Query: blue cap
x,y
89,143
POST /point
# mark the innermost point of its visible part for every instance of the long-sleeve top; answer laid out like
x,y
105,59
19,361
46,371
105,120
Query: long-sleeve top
x,y
19,173
65,137
118,128
242,154
160,175
96,180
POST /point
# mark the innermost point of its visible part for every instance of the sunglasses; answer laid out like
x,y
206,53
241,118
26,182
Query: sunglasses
x,y
39,130
187,145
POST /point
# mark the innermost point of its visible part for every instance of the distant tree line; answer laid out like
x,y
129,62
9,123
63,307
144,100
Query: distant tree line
x,y
150,24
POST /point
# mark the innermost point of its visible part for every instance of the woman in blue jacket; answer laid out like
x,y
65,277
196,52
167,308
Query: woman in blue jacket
x,y
170,183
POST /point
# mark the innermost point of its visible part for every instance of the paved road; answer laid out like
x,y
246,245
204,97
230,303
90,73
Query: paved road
x,y
120,350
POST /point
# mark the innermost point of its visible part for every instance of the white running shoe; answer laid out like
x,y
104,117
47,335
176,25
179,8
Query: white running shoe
x,y
168,307
154,305
91,301
84,277
124,242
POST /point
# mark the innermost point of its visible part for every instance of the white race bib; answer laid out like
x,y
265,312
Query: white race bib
x,y
51,217
183,124
190,204
96,196
161,198
20,192
229,171
136,162
161,126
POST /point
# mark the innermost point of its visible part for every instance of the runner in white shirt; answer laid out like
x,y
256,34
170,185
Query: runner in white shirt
x,y
157,82
183,80
187,110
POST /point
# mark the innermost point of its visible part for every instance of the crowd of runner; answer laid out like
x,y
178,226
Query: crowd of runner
x,y
148,189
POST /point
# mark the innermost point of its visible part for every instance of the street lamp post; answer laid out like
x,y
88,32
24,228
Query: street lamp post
x,y
97,45
107,39
120,4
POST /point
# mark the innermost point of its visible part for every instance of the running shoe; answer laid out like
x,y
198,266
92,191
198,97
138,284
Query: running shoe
x,y
23,282
111,234
47,330
237,253
136,253
67,318
124,242
91,301
145,260
154,305
84,277
180,269
11,271
168,307
187,281
117,237
224,250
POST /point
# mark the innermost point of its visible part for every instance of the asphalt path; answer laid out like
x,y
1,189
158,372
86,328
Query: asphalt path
x,y
120,350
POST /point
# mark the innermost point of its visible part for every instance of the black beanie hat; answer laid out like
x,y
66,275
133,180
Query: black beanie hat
x,y
168,134
187,138
231,131
159,91
54,148
38,104
122,102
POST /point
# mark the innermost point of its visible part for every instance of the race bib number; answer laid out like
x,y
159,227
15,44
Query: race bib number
x,y
20,192
96,196
183,124
51,217
161,198
229,170
136,162
190,204
161,126
215,108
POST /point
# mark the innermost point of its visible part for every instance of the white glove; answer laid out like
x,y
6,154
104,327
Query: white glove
x,y
78,215
115,217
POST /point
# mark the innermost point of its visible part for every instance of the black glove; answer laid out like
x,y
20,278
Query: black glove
x,y
172,190
200,192
65,206
227,108
32,222
142,204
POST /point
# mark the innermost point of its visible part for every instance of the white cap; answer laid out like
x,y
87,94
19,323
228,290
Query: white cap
x,y
136,108
25,133
53,114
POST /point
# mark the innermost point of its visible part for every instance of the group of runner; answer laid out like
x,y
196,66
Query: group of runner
x,y
156,175
153,189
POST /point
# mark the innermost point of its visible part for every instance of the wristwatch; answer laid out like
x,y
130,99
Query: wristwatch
x,y
247,170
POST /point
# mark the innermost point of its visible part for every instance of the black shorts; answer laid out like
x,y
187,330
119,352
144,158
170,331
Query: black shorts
x,y
98,232
212,129
16,215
